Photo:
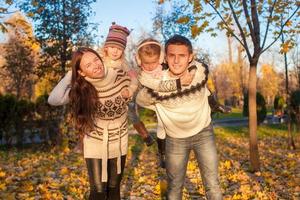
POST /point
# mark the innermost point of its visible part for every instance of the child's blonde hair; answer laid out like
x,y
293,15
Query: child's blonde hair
x,y
149,48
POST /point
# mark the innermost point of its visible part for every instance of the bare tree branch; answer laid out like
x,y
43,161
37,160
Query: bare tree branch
x,y
240,29
268,23
233,34
248,19
256,27
280,32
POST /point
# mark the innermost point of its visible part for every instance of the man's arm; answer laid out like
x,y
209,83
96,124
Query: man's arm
x,y
165,85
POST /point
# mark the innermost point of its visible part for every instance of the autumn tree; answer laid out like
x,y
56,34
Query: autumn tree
x,y
4,11
164,18
59,26
295,59
254,22
268,83
287,40
19,58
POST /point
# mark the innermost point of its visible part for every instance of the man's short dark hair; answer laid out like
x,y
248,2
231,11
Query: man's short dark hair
x,y
179,40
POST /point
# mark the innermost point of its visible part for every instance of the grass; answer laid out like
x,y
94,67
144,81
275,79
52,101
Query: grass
x,y
263,131
235,113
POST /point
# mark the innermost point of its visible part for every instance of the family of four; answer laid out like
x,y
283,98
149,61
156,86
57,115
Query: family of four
x,y
102,90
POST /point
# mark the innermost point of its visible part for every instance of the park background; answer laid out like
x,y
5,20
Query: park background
x,y
259,158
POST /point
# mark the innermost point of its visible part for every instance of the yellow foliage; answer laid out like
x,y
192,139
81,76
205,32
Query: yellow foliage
x,y
289,23
285,47
161,1
195,30
183,20
211,85
192,166
28,187
2,186
2,174
141,179
54,185
73,190
64,171
64,176
43,86
161,187
226,165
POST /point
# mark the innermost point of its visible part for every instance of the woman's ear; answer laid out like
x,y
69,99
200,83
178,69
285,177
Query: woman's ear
x,y
81,73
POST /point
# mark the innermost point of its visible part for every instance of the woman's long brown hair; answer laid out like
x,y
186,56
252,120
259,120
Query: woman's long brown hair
x,y
83,95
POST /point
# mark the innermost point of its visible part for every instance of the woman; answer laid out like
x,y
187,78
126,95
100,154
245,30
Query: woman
x,y
100,114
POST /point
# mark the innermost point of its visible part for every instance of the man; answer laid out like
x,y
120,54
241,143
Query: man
x,y
185,115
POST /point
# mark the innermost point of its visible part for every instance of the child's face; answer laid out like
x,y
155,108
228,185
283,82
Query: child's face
x,y
114,52
149,63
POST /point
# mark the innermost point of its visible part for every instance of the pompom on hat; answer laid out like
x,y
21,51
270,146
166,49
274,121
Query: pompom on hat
x,y
117,35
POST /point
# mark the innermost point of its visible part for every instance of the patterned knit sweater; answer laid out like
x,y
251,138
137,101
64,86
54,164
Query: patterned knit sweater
x,y
122,64
183,113
109,139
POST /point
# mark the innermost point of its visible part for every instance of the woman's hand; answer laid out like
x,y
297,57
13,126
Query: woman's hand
x,y
125,93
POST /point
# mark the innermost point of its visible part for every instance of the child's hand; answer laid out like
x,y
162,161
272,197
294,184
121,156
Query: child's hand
x,y
132,74
125,93
187,78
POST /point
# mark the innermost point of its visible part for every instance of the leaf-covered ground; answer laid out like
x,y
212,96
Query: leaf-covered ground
x,y
38,173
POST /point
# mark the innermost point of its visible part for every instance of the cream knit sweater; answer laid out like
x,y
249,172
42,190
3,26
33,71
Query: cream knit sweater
x,y
183,113
122,64
109,139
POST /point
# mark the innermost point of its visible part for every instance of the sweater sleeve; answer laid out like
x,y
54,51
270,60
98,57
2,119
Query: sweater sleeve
x,y
159,85
60,94
133,81
144,99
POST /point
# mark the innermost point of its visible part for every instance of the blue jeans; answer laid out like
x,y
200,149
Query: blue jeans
x,y
177,156
132,112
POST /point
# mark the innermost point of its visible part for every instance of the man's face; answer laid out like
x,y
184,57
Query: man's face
x,y
178,58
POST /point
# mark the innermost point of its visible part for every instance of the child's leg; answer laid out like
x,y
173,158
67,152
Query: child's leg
x,y
161,143
139,125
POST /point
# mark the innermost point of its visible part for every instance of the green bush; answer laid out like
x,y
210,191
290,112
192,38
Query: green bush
x,y
278,102
295,106
24,116
147,115
13,116
8,105
261,109
44,110
47,118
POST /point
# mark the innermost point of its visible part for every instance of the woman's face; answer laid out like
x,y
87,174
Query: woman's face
x,y
91,66
114,52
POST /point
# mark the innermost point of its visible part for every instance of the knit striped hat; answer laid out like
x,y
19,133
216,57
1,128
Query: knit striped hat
x,y
117,35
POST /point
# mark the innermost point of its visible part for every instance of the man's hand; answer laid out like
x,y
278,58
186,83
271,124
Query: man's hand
x,y
187,78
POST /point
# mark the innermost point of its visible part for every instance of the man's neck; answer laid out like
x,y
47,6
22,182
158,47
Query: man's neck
x,y
177,75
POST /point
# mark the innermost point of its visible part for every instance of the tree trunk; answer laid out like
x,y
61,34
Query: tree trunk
x,y
254,154
291,143
229,41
